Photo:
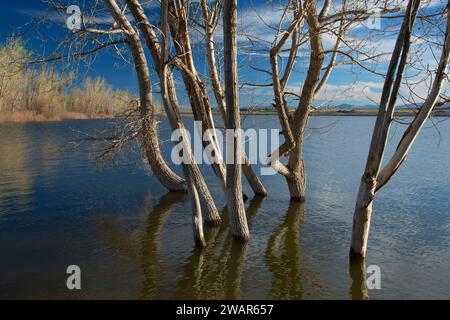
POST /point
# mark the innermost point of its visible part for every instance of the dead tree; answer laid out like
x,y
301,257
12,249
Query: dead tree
x,y
375,178
150,133
198,93
189,172
147,130
195,88
238,220
210,22
293,124
171,105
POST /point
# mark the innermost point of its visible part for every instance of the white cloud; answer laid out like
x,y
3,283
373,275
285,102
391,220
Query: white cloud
x,y
360,92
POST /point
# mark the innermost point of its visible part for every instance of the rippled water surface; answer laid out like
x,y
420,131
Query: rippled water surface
x,y
132,239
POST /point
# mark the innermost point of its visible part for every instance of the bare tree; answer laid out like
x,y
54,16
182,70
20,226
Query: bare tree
x,y
238,220
170,102
150,135
373,178
144,125
210,20
305,15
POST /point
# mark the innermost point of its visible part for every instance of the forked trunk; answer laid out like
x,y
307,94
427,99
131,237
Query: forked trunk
x,y
372,180
159,53
159,167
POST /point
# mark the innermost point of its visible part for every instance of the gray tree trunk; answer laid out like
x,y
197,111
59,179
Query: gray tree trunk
x,y
252,178
374,179
159,167
238,219
171,106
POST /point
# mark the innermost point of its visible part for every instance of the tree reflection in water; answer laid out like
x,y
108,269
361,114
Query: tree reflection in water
x,y
215,272
358,290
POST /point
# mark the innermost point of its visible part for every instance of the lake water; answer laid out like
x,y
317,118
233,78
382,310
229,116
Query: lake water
x,y
132,239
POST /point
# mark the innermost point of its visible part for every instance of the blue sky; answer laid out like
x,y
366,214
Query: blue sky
x,y
347,84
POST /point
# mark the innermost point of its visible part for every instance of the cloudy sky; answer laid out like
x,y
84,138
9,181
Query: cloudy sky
x,y
348,84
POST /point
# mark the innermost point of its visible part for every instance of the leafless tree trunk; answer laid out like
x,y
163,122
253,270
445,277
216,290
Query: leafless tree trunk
x,y
294,125
159,167
195,87
170,103
373,178
238,220
210,24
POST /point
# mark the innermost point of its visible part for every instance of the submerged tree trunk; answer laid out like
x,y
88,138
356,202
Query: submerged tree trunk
x,y
170,103
159,167
238,220
210,23
368,185
197,222
374,178
296,180
171,106
294,126
362,217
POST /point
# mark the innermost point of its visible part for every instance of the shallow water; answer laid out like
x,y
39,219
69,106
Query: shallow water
x,y
59,207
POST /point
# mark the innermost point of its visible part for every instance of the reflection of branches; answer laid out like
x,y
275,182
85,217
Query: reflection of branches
x,y
215,272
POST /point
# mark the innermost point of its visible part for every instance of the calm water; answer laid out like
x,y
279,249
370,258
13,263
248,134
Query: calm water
x,y
133,240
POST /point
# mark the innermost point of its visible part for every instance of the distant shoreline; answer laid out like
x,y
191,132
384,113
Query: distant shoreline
x,y
28,116
355,112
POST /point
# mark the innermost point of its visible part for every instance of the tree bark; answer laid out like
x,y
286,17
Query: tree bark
x,y
197,221
238,219
297,182
195,88
159,167
369,184
171,106
252,178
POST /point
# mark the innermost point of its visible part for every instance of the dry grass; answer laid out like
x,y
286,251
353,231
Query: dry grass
x,y
44,94
30,116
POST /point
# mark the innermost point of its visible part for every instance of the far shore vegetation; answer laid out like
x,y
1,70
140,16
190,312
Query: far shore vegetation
x,y
39,92
42,93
